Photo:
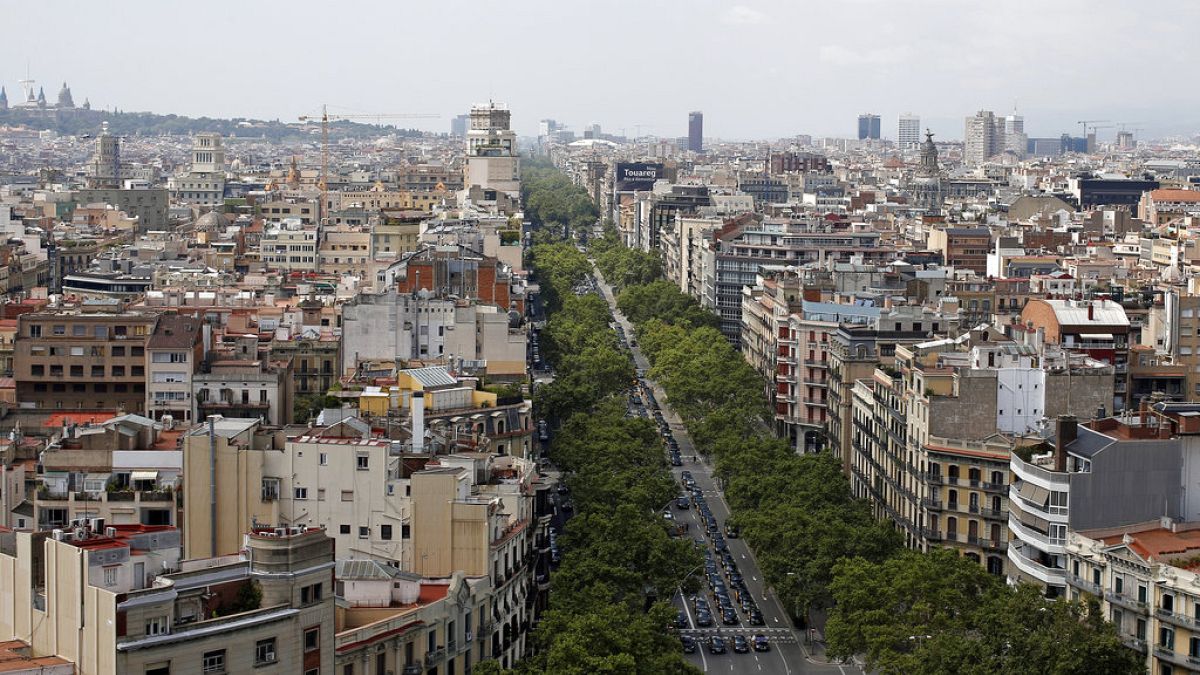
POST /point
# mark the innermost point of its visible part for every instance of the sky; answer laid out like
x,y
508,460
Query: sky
x,y
758,69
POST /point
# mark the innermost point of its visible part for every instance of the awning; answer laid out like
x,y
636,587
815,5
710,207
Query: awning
x,y
455,420
498,413
1096,336
143,475
1034,494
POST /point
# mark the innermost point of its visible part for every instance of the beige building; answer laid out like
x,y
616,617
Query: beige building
x,y
93,596
345,250
1147,582
290,246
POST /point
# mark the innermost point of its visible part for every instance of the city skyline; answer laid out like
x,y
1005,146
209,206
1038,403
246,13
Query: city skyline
x,y
890,67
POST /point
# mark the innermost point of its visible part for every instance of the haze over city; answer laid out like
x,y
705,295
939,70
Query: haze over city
x,y
759,69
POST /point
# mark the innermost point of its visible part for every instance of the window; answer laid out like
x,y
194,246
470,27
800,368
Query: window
x,y
405,532
344,529
320,494
118,351
324,459
1118,584
270,489
156,626
1194,648
93,485
1168,602
385,532
75,351
37,370
60,329
362,462
363,532
264,651
300,493
35,331
110,576
312,638
1141,594
309,595
213,662
1166,638
347,495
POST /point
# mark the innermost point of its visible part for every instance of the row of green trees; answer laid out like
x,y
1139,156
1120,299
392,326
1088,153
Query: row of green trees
x,y
607,613
821,549
551,201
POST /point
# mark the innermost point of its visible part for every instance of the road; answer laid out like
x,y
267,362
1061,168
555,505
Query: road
x,y
787,654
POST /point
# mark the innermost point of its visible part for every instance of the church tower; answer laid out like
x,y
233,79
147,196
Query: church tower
x,y
926,185
3,99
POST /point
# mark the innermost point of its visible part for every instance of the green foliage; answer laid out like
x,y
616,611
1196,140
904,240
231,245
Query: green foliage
x,y
941,613
550,198
304,407
661,300
623,266
618,558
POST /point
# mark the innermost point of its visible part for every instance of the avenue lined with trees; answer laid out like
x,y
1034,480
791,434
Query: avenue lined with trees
x,y
817,546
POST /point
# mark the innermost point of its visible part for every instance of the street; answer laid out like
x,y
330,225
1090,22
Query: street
x,y
787,654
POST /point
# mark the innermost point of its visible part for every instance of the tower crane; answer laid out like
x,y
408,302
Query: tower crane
x,y
1086,123
325,119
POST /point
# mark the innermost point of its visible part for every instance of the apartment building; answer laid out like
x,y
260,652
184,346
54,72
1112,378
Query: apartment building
x,y
1098,328
1146,580
396,233
315,358
125,470
405,326
173,353
734,255
933,433
854,353
339,477
118,600
1114,472
89,357
345,251
962,247
290,245
236,380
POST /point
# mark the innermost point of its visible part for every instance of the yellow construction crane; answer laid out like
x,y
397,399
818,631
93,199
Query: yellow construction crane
x,y
325,119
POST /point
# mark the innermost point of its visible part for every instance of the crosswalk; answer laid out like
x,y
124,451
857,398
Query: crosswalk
x,y
774,635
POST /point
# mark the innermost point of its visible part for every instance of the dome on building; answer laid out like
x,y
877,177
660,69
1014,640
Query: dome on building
x,y
210,222
64,97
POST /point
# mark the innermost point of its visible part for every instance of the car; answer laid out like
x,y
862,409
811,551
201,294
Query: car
x,y
689,644
716,645
701,604
681,619
676,460
731,531
761,644
729,617
555,556
568,506
704,619
756,617
740,646
563,489
681,502
667,515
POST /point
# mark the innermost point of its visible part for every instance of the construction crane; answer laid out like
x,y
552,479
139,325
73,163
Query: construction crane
x,y
1086,123
325,119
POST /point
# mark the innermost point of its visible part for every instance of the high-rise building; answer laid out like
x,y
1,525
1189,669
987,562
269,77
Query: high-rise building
x,y
458,126
106,165
696,131
908,131
868,127
983,138
1015,140
492,161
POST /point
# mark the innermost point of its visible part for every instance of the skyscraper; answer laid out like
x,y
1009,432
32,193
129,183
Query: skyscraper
x,y
983,138
1015,139
696,131
868,127
458,126
909,131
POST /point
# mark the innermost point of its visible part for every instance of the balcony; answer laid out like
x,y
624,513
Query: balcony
x,y
1032,568
1085,585
1126,601
433,656
1189,622
933,504
1040,539
993,487
412,669
1134,643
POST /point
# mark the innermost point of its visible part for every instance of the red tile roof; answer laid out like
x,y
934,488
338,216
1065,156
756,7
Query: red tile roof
x,y
1169,195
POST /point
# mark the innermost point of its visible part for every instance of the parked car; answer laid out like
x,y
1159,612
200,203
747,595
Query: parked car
x,y
761,644
681,619
704,619
689,644
717,645
740,646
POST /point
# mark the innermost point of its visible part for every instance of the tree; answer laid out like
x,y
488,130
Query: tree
x,y
941,613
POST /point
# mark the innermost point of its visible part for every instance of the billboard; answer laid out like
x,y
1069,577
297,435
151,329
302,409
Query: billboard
x,y
637,176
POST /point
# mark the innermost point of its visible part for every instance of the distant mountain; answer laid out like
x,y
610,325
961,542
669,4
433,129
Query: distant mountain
x,y
76,122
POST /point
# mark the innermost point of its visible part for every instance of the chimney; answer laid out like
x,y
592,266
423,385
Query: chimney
x,y
1066,432
418,421
1091,311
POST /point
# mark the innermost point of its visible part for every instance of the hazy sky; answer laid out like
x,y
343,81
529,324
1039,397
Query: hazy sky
x,y
757,68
